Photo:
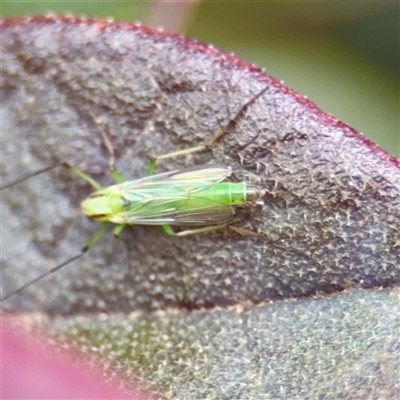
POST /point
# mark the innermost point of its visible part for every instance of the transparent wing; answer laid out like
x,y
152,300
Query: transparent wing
x,y
207,216
174,206
207,174
174,198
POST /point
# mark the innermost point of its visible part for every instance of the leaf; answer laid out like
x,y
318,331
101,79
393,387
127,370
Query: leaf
x,y
330,219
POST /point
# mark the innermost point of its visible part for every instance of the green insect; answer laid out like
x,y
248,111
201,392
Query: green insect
x,y
191,197
196,197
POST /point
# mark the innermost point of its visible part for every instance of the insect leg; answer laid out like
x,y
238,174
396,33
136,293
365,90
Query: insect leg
x,y
235,119
111,163
116,175
168,230
152,167
117,233
242,231
221,133
84,176
190,150
188,232
118,229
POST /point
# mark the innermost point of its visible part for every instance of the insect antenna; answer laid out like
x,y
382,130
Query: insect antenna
x,y
56,268
31,175
84,250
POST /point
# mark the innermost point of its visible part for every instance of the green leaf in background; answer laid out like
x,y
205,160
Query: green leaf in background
x,y
342,56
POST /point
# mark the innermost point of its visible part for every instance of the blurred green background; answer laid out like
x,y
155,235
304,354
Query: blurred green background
x,y
344,56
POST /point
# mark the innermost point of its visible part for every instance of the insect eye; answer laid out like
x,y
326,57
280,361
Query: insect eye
x,y
95,195
98,217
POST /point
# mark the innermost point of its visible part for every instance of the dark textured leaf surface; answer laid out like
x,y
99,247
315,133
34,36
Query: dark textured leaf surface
x,y
331,218
342,346
331,213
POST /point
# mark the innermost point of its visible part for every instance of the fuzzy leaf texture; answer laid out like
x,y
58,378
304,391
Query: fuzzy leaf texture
x,y
330,221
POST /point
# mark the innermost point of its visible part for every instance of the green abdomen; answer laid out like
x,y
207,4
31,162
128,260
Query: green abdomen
x,y
227,193
201,204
